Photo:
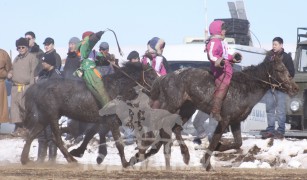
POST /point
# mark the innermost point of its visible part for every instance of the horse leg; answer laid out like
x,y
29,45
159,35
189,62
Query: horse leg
x,y
88,136
143,143
102,149
183,147
236,131
167,144
213,144
58,140
26,148
118,141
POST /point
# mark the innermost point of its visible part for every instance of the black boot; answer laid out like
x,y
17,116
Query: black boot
x,y
52,152
42,152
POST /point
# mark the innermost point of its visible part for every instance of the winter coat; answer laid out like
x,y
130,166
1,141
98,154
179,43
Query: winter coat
x,y
286,59
5,67
23,76
72,63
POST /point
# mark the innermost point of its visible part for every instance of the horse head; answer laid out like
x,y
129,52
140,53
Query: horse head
x,y
279,77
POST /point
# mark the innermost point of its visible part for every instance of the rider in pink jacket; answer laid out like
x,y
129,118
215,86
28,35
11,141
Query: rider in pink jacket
x,y
221,64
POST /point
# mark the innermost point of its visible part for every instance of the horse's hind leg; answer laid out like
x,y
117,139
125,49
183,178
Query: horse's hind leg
x,y
26,148
167,143
88,136
58,140
236,131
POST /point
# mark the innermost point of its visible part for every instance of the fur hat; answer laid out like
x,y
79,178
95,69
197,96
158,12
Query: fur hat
x,y
87,33
133,55
49,58
22,42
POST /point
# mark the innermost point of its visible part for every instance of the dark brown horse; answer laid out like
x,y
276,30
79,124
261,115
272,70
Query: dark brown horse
x,y
193,88
47,101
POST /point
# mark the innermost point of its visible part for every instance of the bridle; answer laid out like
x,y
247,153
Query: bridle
x,y
274,83
142,76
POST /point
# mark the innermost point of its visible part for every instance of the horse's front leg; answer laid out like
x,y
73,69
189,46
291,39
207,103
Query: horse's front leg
x,y
102,149
58,140
143,142
118,141
79,152
213,144
236,131
26,148
167,143
183,147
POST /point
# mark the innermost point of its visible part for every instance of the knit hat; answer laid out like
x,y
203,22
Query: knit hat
x,y
49,58
133,55
156,44
87,33
48,41
31,34
74,40
22,42
104,46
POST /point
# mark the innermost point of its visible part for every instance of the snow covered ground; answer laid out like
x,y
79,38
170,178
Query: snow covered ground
x,y
254,153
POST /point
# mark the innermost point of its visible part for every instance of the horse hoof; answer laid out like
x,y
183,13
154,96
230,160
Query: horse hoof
x,y
100,159
133,161
206,163
186,158
76,153
126,164
24,161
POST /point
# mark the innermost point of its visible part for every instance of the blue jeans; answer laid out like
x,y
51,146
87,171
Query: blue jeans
x,y
275,109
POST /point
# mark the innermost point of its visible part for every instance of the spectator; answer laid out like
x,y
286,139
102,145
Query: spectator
x,y
34,48
73,59
274,99
22,76
5,67
133,56
45,138
49,48
103,60
72,63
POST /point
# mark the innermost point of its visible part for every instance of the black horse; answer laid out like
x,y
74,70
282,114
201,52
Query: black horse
x,y
47,101
190,88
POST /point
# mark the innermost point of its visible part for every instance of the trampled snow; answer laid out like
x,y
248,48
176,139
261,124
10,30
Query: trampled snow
x,y
286,153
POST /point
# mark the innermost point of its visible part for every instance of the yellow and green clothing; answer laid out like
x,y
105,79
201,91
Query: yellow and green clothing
x,y
91,75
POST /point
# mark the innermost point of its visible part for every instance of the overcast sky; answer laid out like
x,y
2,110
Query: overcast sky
x,y
137,21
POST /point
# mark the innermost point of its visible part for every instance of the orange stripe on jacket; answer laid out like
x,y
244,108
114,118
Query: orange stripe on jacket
x,y
97,73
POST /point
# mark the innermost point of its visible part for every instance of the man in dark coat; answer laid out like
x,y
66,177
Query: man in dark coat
x,y
49,47
35,49
275,100
45,138
73,60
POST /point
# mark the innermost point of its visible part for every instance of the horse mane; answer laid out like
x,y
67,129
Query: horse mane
x,y
252,74
130,68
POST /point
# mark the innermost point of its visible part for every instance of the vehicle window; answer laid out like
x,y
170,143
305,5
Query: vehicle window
x,y
303,61
175,65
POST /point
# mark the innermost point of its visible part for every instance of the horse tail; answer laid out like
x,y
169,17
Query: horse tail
x,y
155,89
